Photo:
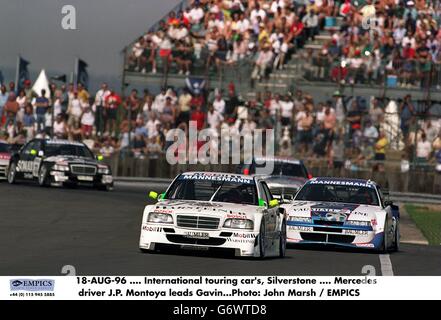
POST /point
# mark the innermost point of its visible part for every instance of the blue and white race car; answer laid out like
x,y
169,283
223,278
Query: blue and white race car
x,y
344,212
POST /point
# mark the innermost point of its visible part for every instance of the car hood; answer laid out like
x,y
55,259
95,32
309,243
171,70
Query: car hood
x,y
72,160
216,209
332,211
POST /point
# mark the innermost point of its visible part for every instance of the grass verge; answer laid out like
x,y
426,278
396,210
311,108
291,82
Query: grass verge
x,y
428,221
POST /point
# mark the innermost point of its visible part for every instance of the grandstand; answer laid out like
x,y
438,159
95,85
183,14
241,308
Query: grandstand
x,y
318,65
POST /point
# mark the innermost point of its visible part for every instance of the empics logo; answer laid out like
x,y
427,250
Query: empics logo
x,y
32,285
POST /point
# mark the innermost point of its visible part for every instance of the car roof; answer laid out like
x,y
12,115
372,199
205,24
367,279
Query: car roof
x,y
278,159
63,141
341,181
218,174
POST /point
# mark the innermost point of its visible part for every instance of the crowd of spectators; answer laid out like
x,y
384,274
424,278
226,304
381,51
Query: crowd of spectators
x,y
394,42
377,40
225,32
343,131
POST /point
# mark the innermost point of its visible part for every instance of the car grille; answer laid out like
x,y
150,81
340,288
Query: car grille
x,y
324,224
82,169
322,237
175,238
197,222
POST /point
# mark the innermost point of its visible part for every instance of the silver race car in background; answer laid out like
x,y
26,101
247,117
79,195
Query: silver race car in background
x,y
287,177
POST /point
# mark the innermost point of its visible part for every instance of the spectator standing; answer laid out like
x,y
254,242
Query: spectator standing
x,y
423,149
100,102
29,122
41,105
112,103
380,147
11,108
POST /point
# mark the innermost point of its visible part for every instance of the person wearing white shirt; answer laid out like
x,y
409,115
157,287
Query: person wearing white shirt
x,y
214,118
74,112
424,148
100,100
152,126
159,103
219,104
286,111
196,14
257,12
275,106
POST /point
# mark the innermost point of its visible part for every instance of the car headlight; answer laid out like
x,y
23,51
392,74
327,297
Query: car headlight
x,y
156,217
358,223
61,167
299,219
239,224
103,170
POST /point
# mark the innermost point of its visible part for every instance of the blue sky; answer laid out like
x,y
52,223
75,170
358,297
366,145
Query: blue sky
x,y
33,29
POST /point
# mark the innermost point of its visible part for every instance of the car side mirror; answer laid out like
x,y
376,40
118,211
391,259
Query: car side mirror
x,y
388,203
273,203
153,195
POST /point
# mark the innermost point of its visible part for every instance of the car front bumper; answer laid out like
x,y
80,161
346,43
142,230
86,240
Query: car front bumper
x,y
346,236
243,243
60,177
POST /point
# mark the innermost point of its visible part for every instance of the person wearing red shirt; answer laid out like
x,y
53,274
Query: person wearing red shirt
x,y
112,102
297,31
197,100
199,116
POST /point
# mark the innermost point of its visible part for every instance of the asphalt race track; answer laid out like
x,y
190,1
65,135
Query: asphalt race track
x,y
44,229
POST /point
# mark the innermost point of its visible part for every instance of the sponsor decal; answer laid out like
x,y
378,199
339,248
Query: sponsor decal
x,y
355,232
237,216
197,235
163,211
32,285
332,211
240,240
299,228
216,177
343,183
244,235
151,229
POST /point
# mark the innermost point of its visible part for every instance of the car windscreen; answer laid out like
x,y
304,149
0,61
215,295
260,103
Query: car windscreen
x,y
5,148
209,190
67,150
338,193
286,169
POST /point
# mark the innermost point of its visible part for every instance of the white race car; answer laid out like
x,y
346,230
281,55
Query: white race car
x,y
344,212
206,210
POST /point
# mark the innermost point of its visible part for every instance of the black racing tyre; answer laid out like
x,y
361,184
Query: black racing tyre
x,y
43,176
396,246
385,244
282,240
262,240
12,173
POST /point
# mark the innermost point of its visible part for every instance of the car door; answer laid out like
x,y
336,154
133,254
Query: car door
x,y
25,161
37,157
272,216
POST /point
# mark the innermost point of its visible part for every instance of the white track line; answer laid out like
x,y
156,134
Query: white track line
x,y
386,265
